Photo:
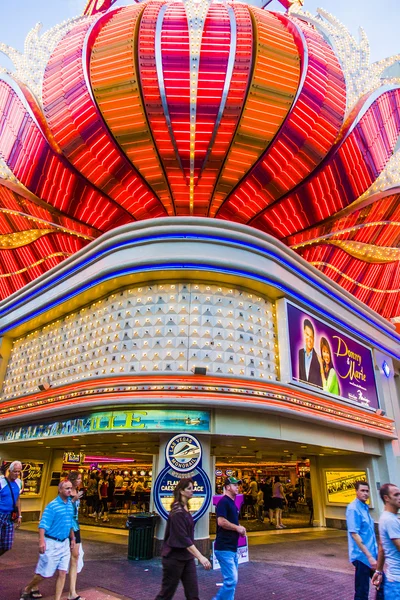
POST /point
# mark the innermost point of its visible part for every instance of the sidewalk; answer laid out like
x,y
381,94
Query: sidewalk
x,y
293,565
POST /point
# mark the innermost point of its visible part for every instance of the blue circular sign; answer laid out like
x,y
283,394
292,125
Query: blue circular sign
x,y
183,453
164,492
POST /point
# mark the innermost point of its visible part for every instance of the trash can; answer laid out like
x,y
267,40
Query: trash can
x,y
141,534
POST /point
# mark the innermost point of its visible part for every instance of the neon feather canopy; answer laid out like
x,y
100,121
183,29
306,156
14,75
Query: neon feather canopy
x,y
203,108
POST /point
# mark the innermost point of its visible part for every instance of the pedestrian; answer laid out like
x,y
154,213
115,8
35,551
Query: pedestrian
x,y
389,546
10,505
76,563
268,504
260,505
103,496
226,542
278,499
178,551
363,549
91,496
56,540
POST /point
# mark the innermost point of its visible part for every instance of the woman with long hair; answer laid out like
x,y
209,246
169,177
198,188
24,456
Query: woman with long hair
x,y
178,552
330,381
278,498
76,479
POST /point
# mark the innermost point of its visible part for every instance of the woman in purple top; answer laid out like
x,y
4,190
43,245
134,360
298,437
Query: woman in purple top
x,y
278,498
178,552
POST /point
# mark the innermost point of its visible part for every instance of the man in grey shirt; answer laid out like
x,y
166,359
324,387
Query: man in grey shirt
x,y
389,546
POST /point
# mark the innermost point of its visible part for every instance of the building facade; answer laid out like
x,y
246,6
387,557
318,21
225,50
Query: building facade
x,y
199,210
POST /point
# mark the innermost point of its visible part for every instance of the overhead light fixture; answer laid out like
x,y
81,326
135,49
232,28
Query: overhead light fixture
x,y
200,370
386,368
46,385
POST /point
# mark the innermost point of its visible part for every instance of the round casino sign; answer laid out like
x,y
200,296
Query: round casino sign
x,y
183,456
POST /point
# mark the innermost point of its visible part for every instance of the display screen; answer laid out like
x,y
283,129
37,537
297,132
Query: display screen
x,y
340,485
328,361
32,474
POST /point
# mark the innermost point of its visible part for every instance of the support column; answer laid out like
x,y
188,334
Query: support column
x,y
202,529
317,491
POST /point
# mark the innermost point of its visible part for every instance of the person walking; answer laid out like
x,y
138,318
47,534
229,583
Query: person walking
x,y
278,498
103,496
10,505
56,540
389,546
178,551
76,552
92,496
226,542
266,488
363,549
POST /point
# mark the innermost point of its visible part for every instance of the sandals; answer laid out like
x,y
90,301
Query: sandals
x,y
76,598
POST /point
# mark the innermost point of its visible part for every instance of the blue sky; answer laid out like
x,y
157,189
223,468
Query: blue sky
x,y
380,19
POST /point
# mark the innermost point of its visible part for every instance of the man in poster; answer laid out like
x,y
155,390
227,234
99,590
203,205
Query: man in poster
x,y
309,363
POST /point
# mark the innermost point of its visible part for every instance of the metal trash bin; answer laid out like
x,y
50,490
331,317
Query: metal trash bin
x,y
141,534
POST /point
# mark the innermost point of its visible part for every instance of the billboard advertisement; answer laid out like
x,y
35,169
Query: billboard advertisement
x,y
340,485
116,420
326,360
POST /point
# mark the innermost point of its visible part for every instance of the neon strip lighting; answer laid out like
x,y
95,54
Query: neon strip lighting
x,y
89,459
228,79
203,267
160,75
361,285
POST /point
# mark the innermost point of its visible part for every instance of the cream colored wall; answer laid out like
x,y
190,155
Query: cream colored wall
x,y
266,425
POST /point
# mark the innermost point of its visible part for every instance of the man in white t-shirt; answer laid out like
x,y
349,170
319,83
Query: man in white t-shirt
x,y
389,546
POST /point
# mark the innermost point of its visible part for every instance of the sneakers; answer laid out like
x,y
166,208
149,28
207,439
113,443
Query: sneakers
x,y
93,515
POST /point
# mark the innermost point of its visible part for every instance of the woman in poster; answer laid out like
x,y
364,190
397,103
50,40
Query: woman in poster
x,y
330,382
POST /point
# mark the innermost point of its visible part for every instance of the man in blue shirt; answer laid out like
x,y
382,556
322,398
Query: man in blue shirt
x,y
56,540
10,489
226,542
389,547
363,549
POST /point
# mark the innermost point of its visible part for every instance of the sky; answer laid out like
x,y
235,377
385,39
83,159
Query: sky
x,y
379,18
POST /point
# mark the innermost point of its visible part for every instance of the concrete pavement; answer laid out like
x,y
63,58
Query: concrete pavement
x,y
289,565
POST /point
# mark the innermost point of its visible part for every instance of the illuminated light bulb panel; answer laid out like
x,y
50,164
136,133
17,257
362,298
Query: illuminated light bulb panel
x,y
169,328
201,108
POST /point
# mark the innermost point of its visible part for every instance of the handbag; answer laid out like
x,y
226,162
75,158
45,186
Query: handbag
x,y
14,513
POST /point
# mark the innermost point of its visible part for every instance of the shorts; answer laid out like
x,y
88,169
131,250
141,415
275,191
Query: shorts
x,y
78,536
277,503
56,557
6,531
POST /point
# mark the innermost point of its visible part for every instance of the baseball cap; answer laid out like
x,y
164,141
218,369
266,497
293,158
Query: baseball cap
x,y
230,480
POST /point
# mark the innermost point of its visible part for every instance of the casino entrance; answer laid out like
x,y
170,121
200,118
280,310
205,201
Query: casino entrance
x,y
268,468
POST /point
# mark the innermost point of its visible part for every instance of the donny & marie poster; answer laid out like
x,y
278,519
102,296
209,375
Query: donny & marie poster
x,y
329,361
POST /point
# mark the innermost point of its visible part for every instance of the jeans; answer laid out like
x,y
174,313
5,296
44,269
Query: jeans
x,y
228,561
362,576
392,590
